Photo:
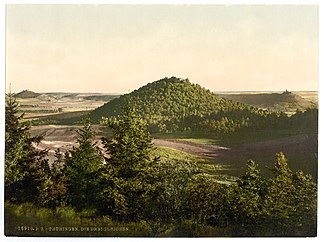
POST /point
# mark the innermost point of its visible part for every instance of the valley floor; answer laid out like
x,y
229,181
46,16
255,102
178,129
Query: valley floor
x,y
300,149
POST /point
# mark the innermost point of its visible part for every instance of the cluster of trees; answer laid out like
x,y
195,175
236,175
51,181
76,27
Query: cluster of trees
x,y
123,180
230,122
173,104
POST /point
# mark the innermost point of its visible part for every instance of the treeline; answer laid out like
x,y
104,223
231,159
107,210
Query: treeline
x,y
230,122
122,180
176,105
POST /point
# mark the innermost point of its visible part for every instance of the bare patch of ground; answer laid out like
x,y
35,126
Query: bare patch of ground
x,y
63,137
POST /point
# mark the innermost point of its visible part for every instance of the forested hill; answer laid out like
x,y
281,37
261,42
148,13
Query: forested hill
x,y
168,100
27,94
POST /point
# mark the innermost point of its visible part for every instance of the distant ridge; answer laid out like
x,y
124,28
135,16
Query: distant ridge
x,y
283,102
27,94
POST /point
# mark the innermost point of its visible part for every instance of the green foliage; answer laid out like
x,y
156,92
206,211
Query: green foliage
x,y
246,199
305,202
170,104
291,200
204,197
278,203
12,126
170,198
82,170
26,169
129,154
56,182
167,181
14,172
173,105
129,150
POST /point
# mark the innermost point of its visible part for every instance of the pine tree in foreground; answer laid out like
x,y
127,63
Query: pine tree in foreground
x,y
26,168
128,156
82,170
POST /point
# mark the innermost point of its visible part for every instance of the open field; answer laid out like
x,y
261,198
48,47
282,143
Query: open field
x,y
43,104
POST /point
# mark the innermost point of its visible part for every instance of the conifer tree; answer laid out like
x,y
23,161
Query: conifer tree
x,y
305,202
129,154
56,181
82,170
202,200
279,200
26,169
129,150
249,192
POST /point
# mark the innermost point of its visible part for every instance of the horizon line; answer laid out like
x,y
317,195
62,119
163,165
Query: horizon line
x,y
122,93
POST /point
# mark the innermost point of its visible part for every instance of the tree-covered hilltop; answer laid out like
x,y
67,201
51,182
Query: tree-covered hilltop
x,y
27,94
165,99
167,102
174,104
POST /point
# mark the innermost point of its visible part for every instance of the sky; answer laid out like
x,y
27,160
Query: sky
x,y
119,48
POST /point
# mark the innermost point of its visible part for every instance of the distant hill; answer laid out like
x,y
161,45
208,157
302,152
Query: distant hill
x,y
166,101
82,96
283,102
27,94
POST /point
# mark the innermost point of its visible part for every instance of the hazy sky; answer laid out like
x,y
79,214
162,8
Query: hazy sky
x,y
118,48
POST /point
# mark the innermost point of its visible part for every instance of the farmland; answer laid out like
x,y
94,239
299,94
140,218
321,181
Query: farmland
x,y
36,105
